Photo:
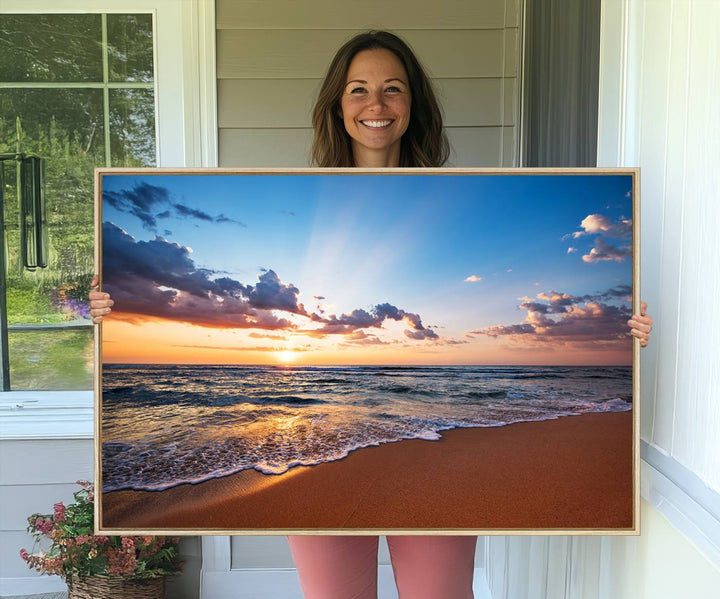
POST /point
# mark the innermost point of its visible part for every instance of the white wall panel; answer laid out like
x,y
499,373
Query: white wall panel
x,y
697,425
294,53
652,115
331,14
288,103
265,147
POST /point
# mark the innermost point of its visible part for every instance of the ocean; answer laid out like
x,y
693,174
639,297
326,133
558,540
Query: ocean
x,y
165,425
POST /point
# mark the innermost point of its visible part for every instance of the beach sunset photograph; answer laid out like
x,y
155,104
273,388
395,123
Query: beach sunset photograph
x,y
305,351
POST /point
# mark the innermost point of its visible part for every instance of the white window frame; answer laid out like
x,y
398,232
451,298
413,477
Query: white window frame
x,y
186,130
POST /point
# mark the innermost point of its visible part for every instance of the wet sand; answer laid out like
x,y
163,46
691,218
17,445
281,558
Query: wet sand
x,y
574,472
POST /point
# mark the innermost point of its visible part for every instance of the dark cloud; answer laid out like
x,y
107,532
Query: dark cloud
x,y
221,218
362,319
319,297
604,252
187,212
272,294
159,278
144,201
139,201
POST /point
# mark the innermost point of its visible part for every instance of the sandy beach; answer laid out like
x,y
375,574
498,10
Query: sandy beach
x,y
574,472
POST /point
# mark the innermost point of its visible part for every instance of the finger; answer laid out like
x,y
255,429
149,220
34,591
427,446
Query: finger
x,y
95,281
640,326
642,335
643,308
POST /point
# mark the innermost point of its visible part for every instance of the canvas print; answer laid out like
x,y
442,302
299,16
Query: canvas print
x,y
367,352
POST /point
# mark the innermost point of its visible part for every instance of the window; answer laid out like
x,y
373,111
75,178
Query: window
x,y
78,91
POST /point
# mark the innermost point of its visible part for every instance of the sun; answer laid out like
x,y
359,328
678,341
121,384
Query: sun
x,y
285,356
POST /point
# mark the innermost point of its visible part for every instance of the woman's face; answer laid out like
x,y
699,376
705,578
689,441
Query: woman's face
x,y
375,107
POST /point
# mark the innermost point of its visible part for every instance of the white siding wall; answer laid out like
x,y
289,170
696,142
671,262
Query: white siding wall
x,y
660,84
271,58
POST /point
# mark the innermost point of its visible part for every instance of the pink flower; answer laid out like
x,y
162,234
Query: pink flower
x,y
128,543
24,555
59,509
82,539
121,562
44,526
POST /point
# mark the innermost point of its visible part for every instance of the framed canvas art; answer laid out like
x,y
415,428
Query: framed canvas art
x,y
352,351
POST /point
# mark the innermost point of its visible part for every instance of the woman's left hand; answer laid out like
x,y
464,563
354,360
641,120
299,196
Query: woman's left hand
x,y
641,325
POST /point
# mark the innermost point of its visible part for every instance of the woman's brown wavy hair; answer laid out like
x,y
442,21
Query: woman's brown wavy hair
x,y
423,144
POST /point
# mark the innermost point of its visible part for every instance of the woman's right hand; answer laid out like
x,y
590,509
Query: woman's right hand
x,y
100,302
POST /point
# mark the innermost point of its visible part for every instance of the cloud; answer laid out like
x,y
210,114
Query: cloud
x,y
262,336
598,224
603,228
562,319
270,293
254,348
158,278
362,338
363,319
186,212
605,252
145,202
221,218
319,297
139,201
473,279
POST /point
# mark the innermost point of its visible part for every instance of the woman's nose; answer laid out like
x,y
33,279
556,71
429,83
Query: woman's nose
x,y
376,100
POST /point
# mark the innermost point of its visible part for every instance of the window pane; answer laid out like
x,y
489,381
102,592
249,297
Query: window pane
x,y
132,127
51,119
50,48
65,127
52,360
130,47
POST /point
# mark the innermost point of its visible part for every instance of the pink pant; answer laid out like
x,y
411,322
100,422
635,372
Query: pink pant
x,y
425,567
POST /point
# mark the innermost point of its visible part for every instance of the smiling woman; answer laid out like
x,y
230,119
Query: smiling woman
x,y
388,80
375,107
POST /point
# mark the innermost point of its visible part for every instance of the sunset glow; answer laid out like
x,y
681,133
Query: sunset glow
x,y
321,269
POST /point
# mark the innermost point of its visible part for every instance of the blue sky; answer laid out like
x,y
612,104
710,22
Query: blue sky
x,y
458,251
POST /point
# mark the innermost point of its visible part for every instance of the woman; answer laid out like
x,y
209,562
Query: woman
x,y
376,108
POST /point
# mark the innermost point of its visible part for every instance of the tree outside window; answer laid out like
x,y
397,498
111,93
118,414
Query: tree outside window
x,y
78,91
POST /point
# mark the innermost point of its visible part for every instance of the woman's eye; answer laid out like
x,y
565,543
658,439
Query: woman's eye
x,y
393,89
357,90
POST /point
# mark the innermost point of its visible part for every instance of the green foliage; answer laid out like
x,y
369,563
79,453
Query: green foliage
x,y
66,127
54,359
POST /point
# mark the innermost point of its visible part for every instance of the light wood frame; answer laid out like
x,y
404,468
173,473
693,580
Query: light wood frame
x,y
632,529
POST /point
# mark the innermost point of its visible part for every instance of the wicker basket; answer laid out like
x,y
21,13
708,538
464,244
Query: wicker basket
x,y
116,587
